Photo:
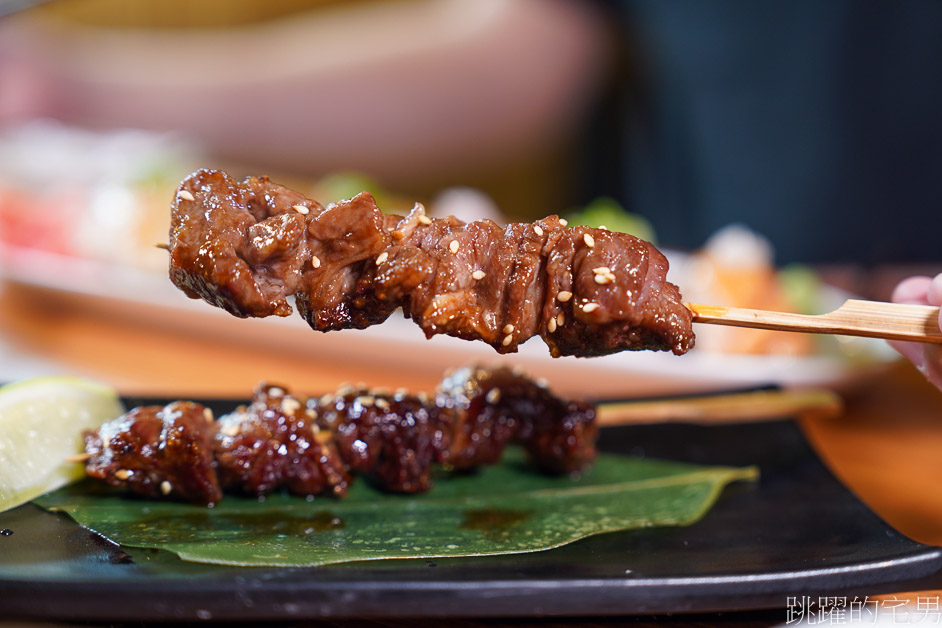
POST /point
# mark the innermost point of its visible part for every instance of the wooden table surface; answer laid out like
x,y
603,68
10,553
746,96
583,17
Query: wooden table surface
x,y
887,446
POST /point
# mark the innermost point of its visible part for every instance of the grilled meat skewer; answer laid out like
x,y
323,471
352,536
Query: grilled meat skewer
x,y
248,246
314,446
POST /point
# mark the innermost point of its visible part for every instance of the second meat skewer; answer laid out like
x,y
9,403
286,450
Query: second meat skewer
x,y
314,446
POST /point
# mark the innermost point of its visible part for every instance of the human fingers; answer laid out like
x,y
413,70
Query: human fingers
x,y
934,291
912,351
932,364
913,290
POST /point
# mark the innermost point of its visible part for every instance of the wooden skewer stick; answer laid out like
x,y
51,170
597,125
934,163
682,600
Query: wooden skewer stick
x,y
718,409
873,319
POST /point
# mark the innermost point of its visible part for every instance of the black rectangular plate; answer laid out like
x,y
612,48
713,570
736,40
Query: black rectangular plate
x,y
796,531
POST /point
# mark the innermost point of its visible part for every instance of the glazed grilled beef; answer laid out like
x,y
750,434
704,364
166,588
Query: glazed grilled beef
x,y
158,451
246,247
275,441
500,406
314,446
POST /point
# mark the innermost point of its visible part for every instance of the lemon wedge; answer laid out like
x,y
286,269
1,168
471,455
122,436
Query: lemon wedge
x,y
41,425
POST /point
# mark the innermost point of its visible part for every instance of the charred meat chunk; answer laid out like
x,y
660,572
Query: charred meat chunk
x,y
276,441
158,452
392,439
497,406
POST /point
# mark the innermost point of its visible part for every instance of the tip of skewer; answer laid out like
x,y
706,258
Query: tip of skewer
x,y
78,458
163,245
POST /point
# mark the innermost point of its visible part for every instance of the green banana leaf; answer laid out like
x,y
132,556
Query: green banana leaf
x,y
504,509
